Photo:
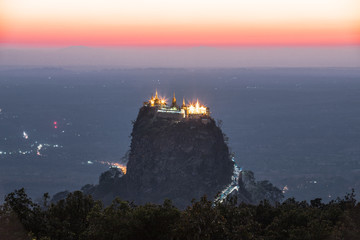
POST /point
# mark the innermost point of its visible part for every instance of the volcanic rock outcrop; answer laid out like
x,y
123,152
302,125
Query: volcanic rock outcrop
x,y
177,159
170,158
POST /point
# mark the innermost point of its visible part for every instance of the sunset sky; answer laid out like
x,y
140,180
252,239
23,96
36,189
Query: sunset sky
x,y
180,22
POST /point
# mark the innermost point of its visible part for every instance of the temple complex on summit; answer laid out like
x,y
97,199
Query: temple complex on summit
x,y
185,110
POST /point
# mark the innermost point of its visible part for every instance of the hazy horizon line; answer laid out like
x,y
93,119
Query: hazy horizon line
x,y
35,46
184,57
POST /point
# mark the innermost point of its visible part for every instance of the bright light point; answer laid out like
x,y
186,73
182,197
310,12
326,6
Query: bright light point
x,y
114,164
285,189
197,109
55,127
25,135
55,123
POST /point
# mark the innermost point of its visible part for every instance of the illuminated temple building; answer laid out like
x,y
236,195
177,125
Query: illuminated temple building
x,y
174,110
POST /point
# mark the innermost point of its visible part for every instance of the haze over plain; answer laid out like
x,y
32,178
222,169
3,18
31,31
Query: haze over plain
x,y
274,118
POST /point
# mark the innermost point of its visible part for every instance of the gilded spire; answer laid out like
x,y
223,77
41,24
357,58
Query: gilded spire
x,y
156,99
174,99
193,109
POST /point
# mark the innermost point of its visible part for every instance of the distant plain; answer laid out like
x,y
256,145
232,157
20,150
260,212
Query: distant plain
x,y
297,127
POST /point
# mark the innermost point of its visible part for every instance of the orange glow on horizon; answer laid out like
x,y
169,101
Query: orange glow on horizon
x,y
187,37
194,23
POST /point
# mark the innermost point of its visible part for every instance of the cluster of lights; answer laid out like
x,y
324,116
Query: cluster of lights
x,y
234,185
157,100
121,166
25,135
114,164
285,189
162,101
190,109
38,147
196,109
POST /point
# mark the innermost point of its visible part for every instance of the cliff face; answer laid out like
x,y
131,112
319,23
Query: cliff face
x,y
179,160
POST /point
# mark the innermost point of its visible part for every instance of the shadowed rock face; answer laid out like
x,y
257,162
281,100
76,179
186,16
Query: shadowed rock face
x,y
177,159
174,159
168,158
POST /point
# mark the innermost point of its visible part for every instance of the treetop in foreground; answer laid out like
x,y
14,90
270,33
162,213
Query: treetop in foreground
x,y
79,216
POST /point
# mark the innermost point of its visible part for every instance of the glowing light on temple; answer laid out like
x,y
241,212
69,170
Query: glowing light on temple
x,y
192,110
197,109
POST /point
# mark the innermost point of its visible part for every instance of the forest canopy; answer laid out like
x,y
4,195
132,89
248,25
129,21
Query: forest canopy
x,y
79,216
